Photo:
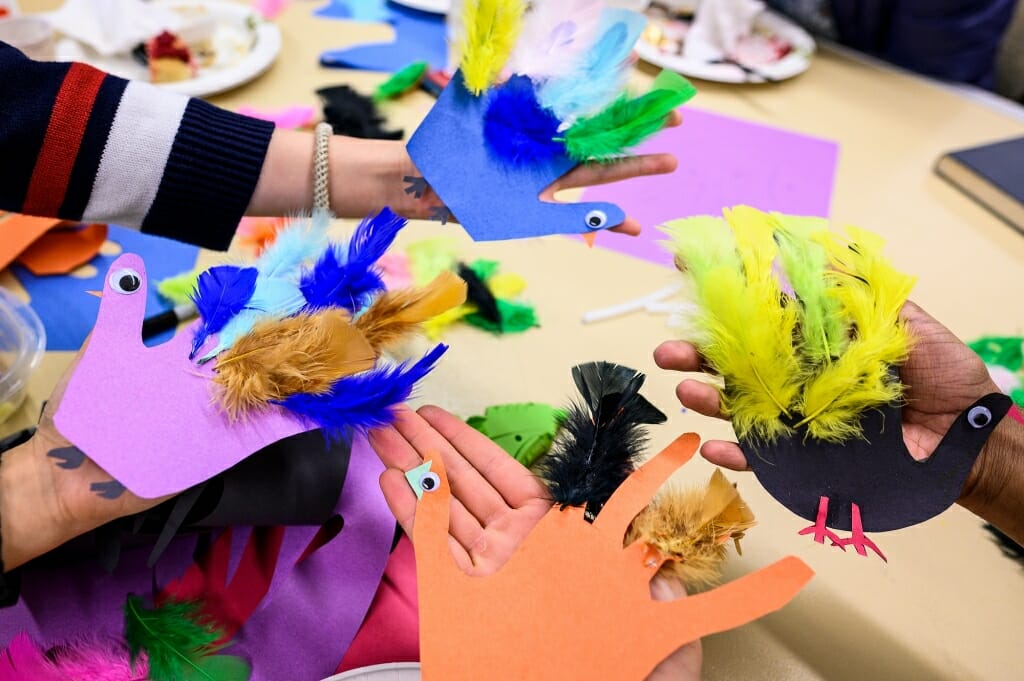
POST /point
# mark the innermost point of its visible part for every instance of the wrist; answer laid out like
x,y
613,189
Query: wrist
x,y
995,488
30,522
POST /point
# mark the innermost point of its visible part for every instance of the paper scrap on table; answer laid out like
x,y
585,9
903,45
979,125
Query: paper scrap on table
x,y
62,250
289,117
18,232
524,430
419,36
723,161
568,565
68,313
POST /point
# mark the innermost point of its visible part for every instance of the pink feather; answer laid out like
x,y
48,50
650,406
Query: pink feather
x,y
82,660
23,660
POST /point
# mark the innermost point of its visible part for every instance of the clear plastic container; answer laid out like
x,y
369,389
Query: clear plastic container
x,y
398,671
22,344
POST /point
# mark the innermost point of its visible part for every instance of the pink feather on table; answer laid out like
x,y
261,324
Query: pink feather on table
x,y
84,660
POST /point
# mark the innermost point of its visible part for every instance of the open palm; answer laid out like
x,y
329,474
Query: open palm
x,y
495,503
942,378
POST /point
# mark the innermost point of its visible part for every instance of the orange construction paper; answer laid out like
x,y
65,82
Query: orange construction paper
x,y
18,232
62,250
572,603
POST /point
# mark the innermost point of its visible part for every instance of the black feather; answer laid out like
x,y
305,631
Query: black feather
x,y
478,294
1011,549
602,437
353,114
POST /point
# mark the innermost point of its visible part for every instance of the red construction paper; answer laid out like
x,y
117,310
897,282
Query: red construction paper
x,y
572,603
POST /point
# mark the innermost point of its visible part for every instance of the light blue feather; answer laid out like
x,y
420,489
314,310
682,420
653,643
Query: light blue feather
x,y
274,298
600,72
300,241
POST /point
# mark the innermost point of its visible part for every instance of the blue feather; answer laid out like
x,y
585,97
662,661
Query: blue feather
x,y
600,72
349,282
300,241
272,299
517,128
221,293
363,401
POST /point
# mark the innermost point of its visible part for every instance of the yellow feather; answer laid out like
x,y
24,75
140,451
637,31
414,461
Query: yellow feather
x,y
746,327
395,315
692,527
871,294
490,31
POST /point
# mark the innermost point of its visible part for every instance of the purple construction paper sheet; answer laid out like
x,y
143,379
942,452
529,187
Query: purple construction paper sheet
x,y
723,162
125,398
304,627
492,200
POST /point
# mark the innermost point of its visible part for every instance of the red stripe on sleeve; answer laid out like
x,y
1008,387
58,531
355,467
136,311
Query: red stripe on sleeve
x,y
64,133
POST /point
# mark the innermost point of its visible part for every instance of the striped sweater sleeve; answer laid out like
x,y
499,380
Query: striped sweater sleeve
x,y
83,145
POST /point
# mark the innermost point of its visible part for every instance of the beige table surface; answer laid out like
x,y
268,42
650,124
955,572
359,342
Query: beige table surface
x,y
948,605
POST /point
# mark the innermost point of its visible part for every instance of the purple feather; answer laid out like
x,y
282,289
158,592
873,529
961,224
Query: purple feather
x,y
221,293
349,282
365,400
517,128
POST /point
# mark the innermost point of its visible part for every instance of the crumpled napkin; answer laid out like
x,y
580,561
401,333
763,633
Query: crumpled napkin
x,y
113,26
718,27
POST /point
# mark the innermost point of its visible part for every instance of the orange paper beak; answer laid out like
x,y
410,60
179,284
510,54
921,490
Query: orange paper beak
x,y
98,294
590,238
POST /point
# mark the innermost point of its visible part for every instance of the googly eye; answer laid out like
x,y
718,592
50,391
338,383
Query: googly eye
x,y
979,416
430,482
596,219
126,281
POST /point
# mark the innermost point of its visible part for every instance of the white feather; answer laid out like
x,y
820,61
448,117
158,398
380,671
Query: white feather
x,y
554,32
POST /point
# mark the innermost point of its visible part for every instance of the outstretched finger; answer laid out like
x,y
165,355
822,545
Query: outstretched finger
x,y
677,355
700,397
725,454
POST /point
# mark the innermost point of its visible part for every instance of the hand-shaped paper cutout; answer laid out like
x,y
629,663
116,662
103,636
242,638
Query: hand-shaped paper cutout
x,y
805,328
419,36
490,148
570,567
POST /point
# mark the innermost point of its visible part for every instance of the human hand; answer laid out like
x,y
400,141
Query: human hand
x,y
51,492
942,377
397,165
495,500
685,663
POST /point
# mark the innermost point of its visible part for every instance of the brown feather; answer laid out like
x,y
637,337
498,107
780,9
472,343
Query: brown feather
x,y
306,353
395,315
691,528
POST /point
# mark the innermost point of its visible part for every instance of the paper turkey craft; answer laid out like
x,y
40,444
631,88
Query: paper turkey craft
x,y
574,563
292,343
804,327
491,145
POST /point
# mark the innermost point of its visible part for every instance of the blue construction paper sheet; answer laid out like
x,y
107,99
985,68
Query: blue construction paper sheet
x,y
419,36
493,200
68,312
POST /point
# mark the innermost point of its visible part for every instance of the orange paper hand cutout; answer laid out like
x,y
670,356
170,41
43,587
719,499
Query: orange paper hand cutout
x,y
572,603
62,250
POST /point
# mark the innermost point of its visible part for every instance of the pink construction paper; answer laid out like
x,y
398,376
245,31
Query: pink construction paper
x,y
147,415
723,162
288,118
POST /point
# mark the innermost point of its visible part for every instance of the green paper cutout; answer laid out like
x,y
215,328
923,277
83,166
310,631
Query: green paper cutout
x,y
524,430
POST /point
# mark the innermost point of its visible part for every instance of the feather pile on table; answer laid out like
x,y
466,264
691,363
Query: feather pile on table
x,y
307,325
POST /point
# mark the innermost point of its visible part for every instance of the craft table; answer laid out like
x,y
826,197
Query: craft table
x,y
948,604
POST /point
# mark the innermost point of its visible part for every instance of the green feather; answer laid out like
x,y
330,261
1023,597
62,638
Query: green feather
x,y
401,82
179,288
515,318
825,332
628,121
178,643
1004,351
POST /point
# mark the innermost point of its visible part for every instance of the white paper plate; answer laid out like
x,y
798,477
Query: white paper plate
x,y
209,80
399,671
432,6
793,64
